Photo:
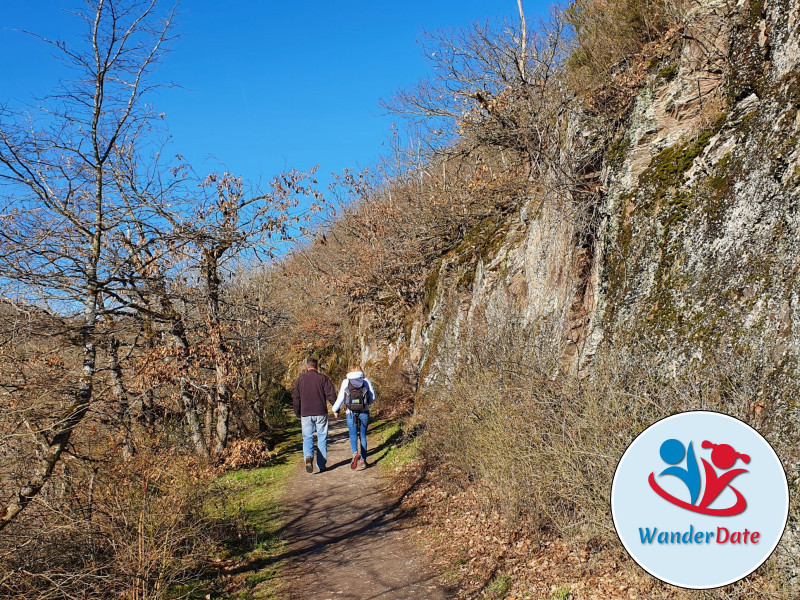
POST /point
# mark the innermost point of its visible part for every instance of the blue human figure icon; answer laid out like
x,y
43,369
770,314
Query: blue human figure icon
x,y
672,453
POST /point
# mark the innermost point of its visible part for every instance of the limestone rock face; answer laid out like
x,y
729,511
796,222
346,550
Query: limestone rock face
x,y
701,244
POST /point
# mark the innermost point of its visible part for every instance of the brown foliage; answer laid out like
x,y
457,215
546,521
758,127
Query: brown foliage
x,y
128,532
245,454
375,255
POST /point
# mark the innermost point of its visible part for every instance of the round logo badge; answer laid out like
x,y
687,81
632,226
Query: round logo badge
x,y
700,500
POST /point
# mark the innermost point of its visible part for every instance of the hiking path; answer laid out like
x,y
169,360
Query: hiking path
x,y
346,538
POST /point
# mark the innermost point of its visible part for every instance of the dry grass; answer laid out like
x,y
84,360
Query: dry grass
x,y
539,450
610,33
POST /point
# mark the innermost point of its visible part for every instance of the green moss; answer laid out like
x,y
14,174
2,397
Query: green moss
x,y
620,246
704,327
794,180
746,123
499,586
667,169
431,286
409,320
618,151
664,206
664,179
781,151
790,86
484,240
668,73
467,278
719,194
756,11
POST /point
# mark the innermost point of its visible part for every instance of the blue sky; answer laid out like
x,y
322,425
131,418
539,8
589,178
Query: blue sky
x,y
265,85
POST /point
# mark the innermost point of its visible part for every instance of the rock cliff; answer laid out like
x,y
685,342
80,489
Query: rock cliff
x,y
687,255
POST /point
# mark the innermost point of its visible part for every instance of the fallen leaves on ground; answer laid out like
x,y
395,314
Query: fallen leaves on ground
x,y
483,555
245,454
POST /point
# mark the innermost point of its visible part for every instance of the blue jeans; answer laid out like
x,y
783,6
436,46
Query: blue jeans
x,y
320,425
357,424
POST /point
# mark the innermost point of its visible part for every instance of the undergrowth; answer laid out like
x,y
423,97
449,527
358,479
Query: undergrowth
x,y
247,504
538,453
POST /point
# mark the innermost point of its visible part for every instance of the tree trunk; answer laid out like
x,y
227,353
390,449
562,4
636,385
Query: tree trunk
x,y
222,427
221,371
65,213
148,416
178,332
33,486
190,410
63,428
257,406
522,57
121,397
209,417
187,397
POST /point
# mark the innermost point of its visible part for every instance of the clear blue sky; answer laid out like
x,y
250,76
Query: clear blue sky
x,y
264,84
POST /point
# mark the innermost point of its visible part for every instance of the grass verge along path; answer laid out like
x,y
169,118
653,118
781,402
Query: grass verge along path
x,y
247,511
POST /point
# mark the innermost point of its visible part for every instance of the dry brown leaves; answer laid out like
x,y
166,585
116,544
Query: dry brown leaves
x,y
475,549
245,454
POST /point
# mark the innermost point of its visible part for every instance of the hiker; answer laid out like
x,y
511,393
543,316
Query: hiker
x,y
311,394
356,393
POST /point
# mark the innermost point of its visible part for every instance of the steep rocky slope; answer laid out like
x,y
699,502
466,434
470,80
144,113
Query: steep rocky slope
x,y
688,257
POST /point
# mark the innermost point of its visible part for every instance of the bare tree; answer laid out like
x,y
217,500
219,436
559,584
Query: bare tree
x,y
523,42
494,85
230,223
186,228
58,210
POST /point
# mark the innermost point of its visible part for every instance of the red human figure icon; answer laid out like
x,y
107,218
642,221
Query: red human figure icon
x,y
724,457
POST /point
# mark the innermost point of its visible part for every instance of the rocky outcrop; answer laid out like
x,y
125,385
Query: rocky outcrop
x,y
696,241
693,255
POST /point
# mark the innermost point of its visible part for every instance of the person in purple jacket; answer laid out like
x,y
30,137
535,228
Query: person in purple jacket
x,y
356,393
311,394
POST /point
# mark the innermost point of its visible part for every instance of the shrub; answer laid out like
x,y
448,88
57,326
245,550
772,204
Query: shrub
x,y
611,32
544,447
245,454
121,530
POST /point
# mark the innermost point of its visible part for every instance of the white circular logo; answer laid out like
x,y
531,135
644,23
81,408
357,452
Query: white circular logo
x,y
699,500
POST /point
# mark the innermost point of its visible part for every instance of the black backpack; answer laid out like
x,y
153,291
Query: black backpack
x,y
357,397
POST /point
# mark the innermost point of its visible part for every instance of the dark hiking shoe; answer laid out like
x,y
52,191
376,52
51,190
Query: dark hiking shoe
x,y
322,469
309,464
354,463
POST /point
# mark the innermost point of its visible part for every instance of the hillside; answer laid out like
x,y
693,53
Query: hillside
x,y
654,269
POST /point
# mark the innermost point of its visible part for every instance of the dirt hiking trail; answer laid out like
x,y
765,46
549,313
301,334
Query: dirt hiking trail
x,y
346,537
